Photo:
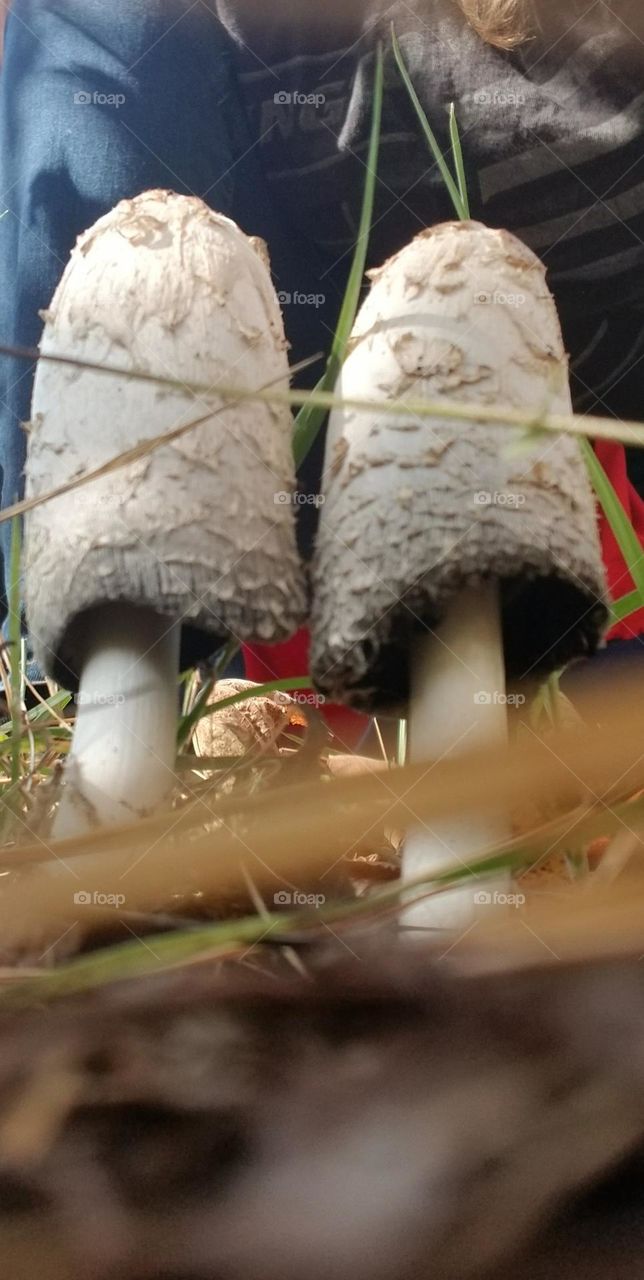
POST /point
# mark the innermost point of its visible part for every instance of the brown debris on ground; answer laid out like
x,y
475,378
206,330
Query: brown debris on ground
x,y
370,1121
254,725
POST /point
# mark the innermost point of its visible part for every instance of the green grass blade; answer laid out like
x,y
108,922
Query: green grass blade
x,y
311,417
625,535
191,717
203,708
188,722
459,164
59,702
460,207
625,606
130,960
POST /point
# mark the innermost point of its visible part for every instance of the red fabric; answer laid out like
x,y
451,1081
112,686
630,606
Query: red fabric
x,y
613,460
278,662
266,662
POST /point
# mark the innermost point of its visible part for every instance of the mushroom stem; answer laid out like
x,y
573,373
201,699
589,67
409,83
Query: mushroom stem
x,y
458,704
122,760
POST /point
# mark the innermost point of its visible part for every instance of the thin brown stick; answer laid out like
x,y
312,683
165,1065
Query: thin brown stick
x,y
582,426
144,447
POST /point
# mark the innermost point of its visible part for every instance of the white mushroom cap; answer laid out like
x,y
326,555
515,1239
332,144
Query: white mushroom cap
x,y
196,530
416,510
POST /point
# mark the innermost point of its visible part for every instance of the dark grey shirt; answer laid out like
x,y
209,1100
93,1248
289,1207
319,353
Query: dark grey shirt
x,y
553,138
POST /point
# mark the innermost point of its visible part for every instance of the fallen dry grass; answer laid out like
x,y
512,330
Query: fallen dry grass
x,y
581,783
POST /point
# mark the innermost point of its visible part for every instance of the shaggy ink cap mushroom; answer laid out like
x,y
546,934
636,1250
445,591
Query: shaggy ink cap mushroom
x,y
194,531
418,511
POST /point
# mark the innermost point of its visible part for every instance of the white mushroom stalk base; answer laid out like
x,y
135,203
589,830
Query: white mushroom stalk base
x,y
121,765
458,704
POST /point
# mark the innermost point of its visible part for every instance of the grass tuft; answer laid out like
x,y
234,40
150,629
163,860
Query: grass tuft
x,y
312,414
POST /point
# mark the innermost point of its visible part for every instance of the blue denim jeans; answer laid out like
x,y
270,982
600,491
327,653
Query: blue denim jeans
x,y
100,100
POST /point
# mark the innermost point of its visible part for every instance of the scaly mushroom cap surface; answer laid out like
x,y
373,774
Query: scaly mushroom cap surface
x,y
417,509
198,530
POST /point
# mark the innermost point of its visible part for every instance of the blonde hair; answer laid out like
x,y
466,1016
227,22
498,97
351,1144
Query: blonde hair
x,y
503,23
